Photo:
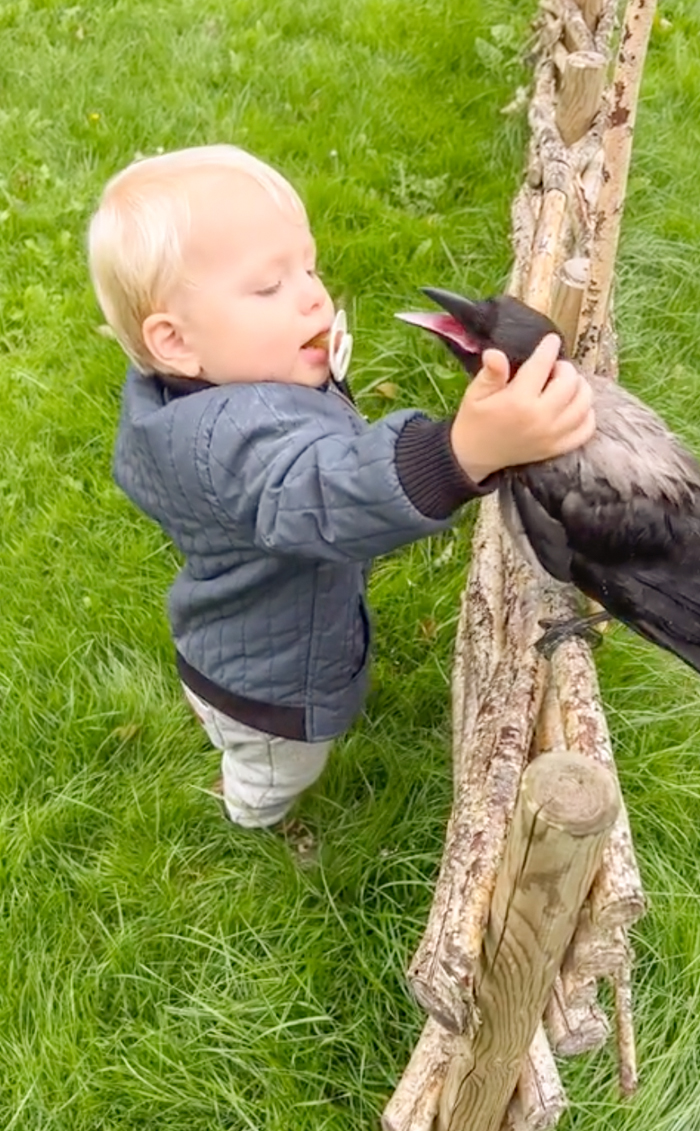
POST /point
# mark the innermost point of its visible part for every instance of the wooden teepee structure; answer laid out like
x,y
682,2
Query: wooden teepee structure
x,y
538,882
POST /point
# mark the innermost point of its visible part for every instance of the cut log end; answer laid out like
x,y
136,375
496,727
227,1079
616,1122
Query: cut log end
x,y
581,94
571,793
441,998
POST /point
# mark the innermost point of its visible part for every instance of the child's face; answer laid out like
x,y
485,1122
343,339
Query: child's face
x,y
252,299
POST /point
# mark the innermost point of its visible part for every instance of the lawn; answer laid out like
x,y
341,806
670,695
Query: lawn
x,y
160,969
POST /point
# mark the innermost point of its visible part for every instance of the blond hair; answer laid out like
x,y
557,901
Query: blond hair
x,y
137,235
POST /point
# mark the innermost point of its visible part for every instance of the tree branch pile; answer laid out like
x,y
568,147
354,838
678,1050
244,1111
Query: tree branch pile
x,y
510,706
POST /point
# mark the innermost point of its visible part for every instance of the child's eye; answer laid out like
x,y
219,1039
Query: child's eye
x,y
272,290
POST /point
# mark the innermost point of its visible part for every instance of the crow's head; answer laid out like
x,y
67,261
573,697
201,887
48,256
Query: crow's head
x,y
468,328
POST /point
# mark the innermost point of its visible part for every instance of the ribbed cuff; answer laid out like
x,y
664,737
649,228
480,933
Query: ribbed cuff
x,y
429,472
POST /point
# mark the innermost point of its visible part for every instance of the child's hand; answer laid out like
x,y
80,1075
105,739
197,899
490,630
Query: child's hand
x,y
533,417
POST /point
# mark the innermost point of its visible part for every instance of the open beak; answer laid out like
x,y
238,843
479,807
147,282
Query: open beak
x,y
454,328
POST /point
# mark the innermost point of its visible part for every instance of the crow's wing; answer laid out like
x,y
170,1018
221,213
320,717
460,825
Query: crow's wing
x,y
544,530
638,557
658,601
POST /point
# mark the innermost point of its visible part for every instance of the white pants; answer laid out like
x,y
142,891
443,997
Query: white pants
x,y
263,774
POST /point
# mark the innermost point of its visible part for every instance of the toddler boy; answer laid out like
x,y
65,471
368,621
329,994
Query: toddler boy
x,y
277,492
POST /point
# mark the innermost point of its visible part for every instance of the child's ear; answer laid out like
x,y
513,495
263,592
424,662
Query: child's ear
x,y
165,342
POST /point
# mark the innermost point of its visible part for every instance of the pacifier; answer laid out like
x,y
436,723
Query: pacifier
x,y
339,347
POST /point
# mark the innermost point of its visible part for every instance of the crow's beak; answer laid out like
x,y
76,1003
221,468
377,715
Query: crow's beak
x,y
455,328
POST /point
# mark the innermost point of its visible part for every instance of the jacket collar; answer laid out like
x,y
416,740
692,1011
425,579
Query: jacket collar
x,y
174,386
181,386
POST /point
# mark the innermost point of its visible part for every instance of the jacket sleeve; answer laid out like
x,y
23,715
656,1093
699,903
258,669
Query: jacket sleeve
x,y
315,485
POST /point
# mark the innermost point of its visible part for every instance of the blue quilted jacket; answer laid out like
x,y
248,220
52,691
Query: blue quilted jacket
x,y
278,496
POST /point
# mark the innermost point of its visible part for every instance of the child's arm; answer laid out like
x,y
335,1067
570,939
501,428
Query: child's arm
x,y
502,423
283,470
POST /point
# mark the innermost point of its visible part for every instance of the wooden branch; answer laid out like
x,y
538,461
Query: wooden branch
x,y
596,954
591,10
414,1104
491,760
566,807
525,211
504,745
551,152
607,21
478,647
587,184
608,365
617,896
559,57
574,1030
549,737
617,154
480,637
624,1027
593,954
495,668
540,1090
575,1022
514,1119
539,1099
549,23
581,94
577,33
443,969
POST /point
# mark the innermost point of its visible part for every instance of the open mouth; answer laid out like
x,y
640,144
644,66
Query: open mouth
x,y
320,341
444,326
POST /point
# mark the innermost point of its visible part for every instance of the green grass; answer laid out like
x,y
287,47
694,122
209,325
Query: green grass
x,y
159,969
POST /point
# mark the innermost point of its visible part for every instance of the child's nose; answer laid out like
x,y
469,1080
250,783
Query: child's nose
x,y
313,293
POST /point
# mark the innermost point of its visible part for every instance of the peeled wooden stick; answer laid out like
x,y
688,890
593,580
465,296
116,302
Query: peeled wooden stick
x,y
565,808
546,248
566,305
617,147
414,1105
549,732
580,95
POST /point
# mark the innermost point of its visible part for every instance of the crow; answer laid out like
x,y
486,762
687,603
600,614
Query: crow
x,y
619,517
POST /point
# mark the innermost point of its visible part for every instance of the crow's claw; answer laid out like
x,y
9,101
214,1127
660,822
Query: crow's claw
x,y
557,631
